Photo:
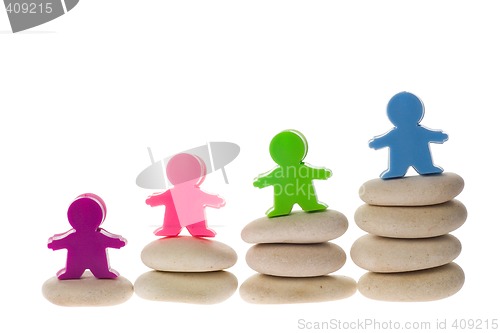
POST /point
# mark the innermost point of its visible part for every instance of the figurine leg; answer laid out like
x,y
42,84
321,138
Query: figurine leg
x,y
273,211
282,206
395,171
425,167
308,201
104,273
312,206
170,228
168,232
100,268
430,171
71,273
200,230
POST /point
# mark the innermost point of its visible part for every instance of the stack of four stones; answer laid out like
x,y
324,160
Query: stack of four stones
x,y
408,250
294,257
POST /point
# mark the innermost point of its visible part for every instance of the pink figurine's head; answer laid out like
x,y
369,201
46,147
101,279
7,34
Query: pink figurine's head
x,y
186,168
86,212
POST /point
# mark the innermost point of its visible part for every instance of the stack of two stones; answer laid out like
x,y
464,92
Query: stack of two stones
x,y
187,270
408,250
294,257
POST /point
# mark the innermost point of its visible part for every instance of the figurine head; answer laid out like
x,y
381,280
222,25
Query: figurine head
x,y
86,212
288,148
405,109
186,168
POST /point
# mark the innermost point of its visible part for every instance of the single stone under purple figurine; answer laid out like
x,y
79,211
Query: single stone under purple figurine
x,y
86,242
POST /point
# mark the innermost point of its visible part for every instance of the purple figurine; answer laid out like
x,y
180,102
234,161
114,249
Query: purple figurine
x,y
86,242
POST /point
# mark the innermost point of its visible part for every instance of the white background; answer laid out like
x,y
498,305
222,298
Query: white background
x,y
82,97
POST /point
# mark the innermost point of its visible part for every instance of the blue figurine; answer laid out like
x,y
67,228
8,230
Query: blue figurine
x,y
408,141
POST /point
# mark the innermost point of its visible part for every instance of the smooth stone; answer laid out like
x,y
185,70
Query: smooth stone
x,y
87,291
412,190
188,254
390,255
298,227
418,286
266,289
192,288
411,222
296,260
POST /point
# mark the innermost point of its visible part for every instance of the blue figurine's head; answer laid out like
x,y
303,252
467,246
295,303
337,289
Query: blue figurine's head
x,y
405,109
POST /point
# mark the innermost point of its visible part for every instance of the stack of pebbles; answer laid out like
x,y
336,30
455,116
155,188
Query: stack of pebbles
x,y
294,257
187,270
409,251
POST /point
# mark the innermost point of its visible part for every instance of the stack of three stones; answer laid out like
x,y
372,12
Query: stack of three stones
x,y
408,250
295,257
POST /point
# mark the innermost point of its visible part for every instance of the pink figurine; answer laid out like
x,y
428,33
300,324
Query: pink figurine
x,y
185,203
86,242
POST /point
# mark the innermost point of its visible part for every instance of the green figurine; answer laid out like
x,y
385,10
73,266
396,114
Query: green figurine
x,y
292,178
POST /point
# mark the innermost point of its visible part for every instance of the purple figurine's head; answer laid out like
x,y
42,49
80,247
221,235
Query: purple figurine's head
x,y
87,212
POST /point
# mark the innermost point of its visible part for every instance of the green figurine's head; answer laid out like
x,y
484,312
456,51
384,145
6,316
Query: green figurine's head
x,y
288,148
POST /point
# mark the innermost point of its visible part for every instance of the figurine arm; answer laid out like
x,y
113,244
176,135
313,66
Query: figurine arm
x,y
437,136
320,173
60,241
156,199
265,179
381,141
112,240
213,200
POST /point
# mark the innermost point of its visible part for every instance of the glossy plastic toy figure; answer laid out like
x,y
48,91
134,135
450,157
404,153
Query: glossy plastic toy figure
x,y
292,179
86,242
408,141
185,202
